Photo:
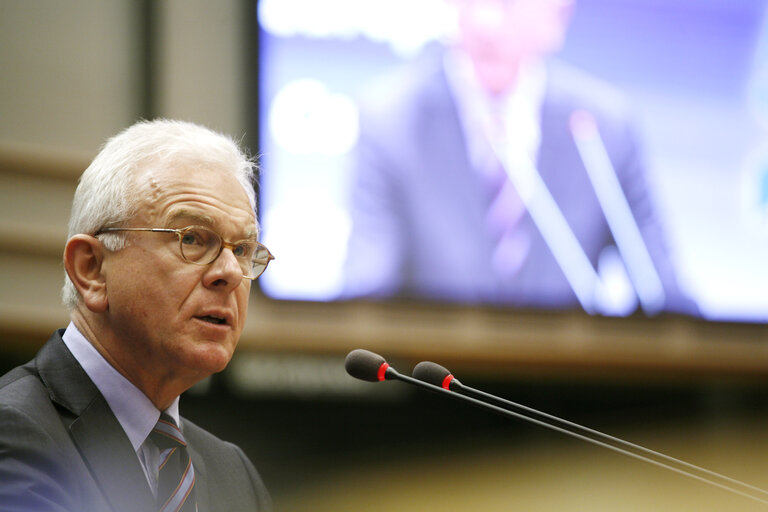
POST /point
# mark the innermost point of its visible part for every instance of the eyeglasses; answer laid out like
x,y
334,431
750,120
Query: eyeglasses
x,y
201,246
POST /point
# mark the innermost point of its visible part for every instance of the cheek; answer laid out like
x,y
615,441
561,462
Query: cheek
x,y
241,297
152,292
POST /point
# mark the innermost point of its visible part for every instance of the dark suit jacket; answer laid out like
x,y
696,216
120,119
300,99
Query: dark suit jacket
x,y
62,449
418,205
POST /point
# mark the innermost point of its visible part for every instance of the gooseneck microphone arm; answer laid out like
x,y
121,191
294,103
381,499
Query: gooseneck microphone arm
x,y
365,365
438,375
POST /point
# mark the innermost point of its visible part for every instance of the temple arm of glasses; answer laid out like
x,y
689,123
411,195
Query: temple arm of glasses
x,y
159,230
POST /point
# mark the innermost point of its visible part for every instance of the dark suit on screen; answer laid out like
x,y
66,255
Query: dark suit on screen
x,y
418,206
62,449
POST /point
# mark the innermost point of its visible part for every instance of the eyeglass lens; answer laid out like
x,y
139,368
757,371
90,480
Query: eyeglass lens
x,y
201,245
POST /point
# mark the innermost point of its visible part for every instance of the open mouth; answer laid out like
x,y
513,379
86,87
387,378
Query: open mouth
x,y
211,319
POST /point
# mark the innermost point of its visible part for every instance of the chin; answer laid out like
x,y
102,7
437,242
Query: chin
x,y
211,357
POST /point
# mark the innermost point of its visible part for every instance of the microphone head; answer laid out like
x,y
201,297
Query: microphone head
x,y
366,365
433,373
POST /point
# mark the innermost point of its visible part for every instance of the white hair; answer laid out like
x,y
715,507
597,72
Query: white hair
x,y
108,192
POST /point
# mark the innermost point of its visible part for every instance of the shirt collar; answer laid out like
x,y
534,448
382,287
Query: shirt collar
x,y
135,412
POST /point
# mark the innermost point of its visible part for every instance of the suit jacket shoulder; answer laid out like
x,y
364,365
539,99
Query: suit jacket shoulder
x,y
41,467
63,450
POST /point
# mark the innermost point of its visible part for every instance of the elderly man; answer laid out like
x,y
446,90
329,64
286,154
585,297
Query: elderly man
x,y
161,253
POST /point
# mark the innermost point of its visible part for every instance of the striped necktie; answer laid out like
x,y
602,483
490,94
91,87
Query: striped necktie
x,y
176,476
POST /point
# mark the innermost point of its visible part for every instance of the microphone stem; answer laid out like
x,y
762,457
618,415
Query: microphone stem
x,y
391,373
507,403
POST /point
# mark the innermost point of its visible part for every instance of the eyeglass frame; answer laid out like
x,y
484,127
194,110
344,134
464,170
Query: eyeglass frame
x,y
180,232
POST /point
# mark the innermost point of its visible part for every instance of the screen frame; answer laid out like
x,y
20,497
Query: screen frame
x,y
490,339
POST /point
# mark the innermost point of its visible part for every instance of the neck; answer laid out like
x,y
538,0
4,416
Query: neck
x,y
160,391
493,76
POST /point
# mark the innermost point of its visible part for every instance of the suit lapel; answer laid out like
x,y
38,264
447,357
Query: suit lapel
x,y
94,429
111,459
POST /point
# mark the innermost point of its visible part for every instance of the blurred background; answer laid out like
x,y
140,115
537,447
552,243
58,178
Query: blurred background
x,y
695,388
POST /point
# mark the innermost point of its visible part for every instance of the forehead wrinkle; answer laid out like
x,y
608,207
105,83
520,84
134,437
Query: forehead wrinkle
x,y
200,218
162,189
193,216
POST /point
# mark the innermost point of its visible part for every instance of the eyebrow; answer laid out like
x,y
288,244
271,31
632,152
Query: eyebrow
x,y
205,220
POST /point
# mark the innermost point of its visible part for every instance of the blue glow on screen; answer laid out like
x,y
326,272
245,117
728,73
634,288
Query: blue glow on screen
x,y
695,71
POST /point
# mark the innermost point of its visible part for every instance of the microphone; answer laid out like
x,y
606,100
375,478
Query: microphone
x,y
437,375
365,365
369,366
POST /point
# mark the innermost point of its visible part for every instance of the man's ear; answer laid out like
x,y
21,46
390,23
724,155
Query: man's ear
x,y
83,258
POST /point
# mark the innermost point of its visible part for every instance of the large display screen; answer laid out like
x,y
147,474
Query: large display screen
x,y
610,155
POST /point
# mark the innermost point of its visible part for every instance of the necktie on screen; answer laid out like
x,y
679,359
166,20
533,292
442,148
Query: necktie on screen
x,y
176,476
505,207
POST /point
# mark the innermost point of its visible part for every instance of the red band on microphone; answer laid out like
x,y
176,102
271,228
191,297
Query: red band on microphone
x,y
383,371
447,382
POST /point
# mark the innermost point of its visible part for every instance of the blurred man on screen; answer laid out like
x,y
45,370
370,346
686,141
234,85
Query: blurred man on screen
x,y
434,212
161,253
